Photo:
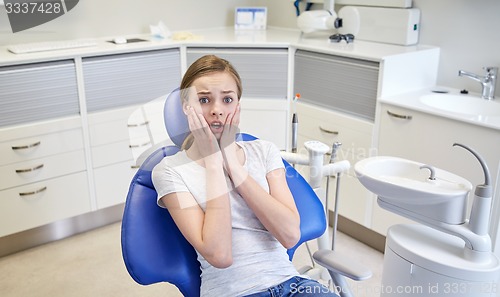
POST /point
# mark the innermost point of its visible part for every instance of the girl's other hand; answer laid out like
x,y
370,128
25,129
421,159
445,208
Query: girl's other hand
x,y
230,128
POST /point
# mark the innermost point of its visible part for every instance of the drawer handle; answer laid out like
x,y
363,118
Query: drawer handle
x,y
33,193
29,169
23,147
138,124
399,116
328,131
139,145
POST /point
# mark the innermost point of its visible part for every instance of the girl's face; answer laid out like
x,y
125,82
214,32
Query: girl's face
x,y
215,97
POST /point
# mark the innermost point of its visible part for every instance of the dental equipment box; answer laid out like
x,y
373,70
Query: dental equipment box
x,y
399,26
250,18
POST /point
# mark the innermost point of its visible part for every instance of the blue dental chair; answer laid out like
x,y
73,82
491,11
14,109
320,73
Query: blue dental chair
x,y
153,248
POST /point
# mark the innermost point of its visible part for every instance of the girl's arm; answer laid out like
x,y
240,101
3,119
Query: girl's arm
x,y
208,232
276,210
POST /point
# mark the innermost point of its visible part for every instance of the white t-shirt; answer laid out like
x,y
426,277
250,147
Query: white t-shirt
x,y
259,260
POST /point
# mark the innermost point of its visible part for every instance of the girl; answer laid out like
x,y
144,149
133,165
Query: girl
x,y
230,199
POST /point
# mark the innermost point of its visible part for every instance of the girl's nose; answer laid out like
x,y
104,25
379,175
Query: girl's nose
x,y
216,113
216,110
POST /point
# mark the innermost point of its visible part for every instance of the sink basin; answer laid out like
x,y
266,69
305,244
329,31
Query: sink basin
x,y
404,188
464,104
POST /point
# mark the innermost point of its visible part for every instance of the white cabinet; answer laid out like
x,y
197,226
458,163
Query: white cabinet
x,y
116,86
355,135
42,151
338,98
112,159
43,173
429,139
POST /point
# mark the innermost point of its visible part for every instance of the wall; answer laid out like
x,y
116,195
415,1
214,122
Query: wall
x,y
97,18
465,30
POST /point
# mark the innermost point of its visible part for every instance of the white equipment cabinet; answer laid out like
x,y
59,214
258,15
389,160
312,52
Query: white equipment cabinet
x,y
332,108
115,86
42,159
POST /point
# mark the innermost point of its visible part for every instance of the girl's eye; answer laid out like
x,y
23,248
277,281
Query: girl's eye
x,y
203,100
228,100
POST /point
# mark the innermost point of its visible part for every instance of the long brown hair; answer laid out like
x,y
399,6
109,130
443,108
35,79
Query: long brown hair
x,y
206,65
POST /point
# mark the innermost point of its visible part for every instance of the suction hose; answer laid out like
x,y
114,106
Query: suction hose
x,y
481,207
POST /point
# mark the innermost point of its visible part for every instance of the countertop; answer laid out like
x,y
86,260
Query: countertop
x,y
412,101
223,37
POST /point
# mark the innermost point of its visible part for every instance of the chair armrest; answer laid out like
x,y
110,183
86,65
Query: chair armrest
x,y
341,264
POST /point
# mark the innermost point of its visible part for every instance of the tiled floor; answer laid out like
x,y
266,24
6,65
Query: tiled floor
x,y
90,264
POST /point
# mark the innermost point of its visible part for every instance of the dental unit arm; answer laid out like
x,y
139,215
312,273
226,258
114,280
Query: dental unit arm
x,y
338,265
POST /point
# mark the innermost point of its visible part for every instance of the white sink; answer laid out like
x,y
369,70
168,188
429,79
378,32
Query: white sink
x,y
464,104
403,187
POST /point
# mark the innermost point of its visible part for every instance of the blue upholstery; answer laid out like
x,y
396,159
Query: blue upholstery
x,y
153,248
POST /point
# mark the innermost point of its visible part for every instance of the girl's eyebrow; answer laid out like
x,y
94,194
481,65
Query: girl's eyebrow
x,y
208,92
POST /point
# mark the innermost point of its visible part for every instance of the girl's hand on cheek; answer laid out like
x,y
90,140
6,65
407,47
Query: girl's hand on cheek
x,y
227,141
205,140
230,128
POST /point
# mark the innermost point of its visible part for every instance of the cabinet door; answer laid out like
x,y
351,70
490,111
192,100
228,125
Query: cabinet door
x,y
338,83
355,135
265,119
44,202
127,79
112,183
429,139
38,91
37,143
36,170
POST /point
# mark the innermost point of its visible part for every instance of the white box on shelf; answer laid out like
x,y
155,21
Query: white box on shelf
x,y
250,18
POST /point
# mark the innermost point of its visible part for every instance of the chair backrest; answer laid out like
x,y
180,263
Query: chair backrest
x,y
153,248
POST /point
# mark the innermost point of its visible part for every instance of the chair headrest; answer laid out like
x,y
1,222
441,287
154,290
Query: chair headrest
x,y
174,118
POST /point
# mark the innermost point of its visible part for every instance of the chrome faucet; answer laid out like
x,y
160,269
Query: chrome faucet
x,y
487,81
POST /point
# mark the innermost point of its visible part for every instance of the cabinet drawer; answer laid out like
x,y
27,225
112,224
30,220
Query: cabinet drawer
x,y
36,170
329,126
29,148
131,124
112,183
117,152
111,126
37,204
